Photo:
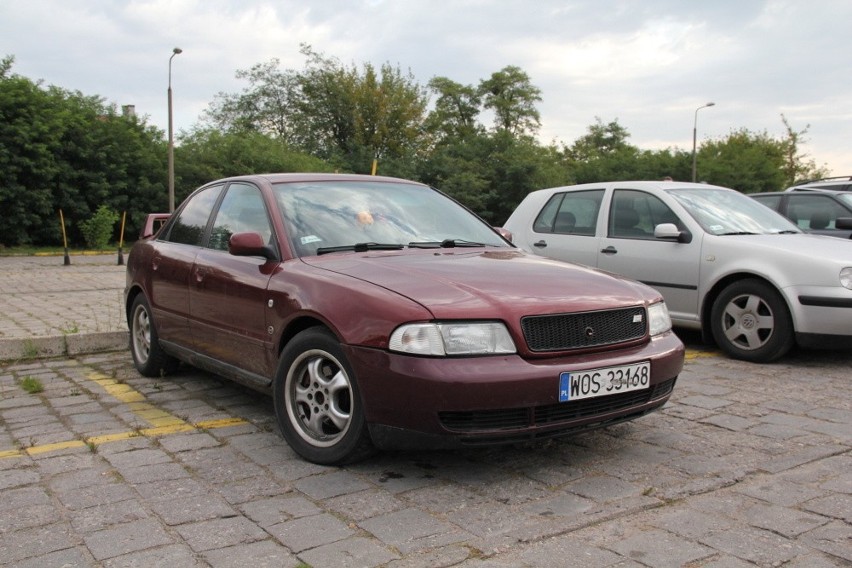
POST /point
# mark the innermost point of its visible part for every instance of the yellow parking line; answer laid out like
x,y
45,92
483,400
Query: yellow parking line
x,y
43,449
107,438
162,423
696,354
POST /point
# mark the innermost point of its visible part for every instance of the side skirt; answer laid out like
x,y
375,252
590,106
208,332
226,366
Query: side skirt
x,y
225,370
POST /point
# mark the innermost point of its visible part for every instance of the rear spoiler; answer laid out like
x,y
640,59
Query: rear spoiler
x,y
153,223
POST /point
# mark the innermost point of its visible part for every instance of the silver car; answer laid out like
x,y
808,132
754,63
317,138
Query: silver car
x,y
726,265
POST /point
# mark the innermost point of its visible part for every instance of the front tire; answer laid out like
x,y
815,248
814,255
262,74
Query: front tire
x,y
148,356
750,321
317,401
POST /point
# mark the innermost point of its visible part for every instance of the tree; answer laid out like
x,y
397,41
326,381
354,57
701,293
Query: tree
x,y
342,114
28,139
64,150
796,165
456,110
207,154
512,97
747,161
603,154
266,105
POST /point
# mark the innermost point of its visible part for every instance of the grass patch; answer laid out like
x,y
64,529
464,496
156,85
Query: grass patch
x,y
30,349
31,384
70,328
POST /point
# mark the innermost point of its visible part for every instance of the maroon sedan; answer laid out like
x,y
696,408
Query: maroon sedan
x,y
380,313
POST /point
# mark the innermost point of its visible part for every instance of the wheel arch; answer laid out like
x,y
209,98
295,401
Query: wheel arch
x,y
301,324
129,298
721,284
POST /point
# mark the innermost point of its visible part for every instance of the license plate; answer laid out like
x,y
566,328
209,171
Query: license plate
x,y
578,385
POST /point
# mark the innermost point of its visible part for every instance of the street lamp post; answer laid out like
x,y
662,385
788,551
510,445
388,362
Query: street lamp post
x,y
695,138
175,51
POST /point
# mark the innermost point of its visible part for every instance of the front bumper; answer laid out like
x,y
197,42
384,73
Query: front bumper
x,y
821,310
427,403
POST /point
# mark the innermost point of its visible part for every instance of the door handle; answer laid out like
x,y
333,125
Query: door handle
x,y
609,250
540,244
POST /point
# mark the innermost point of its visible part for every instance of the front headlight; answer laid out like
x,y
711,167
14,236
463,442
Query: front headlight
x,y
658,318
439,339
846,277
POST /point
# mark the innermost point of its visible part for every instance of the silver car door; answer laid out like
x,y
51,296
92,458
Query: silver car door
x,y
629,247
566,227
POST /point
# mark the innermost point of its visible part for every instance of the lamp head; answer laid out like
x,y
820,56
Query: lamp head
x,y
177,50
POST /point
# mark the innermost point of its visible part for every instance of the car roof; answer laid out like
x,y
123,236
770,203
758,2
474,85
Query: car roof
x,y
823,183
313,177
638,184
826,190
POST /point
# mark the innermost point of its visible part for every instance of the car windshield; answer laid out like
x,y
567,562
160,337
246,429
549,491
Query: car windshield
x,y
845,198
727,212
332,216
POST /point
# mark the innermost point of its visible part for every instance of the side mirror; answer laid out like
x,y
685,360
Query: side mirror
x,y
250,244
670,232
153,223
505,233
843,223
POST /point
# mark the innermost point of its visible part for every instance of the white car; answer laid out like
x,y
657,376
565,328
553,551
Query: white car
x,y
726,265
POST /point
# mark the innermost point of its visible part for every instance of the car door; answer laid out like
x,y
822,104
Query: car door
x,y
628,247
566,227
171,265
227,294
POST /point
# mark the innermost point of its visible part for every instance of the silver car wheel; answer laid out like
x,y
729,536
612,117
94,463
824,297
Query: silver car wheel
x,y
748,322
141,334
318,397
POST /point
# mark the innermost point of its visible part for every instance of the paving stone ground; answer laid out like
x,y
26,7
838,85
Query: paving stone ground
x,y
747,465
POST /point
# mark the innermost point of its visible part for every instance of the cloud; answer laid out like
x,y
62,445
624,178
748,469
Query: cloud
x,y
649,64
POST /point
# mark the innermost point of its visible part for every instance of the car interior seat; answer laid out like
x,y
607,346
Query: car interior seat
x,y
820,220
625,221
565,222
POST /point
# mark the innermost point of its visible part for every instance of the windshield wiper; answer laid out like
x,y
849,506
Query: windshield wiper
x,y
446,243
360,247
737,233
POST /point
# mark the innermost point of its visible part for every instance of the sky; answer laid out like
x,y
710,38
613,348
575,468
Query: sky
x,y
647,64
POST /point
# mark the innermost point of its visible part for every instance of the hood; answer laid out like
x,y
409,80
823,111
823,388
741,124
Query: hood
x,y
804,244
488,283
800,259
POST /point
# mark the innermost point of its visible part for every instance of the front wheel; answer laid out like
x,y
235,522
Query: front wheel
x,y
750,321
317,401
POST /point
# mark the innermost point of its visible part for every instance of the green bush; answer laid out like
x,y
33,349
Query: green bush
x,y
98,229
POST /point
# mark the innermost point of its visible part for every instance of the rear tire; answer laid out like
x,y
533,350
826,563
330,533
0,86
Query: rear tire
x,y
750,321
148,356
317,401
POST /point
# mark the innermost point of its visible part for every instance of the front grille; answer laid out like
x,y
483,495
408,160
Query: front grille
x,y
583,330
482,421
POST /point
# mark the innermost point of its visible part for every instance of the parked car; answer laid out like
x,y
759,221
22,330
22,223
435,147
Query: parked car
x,y
380,313
737,271
837,183
820,211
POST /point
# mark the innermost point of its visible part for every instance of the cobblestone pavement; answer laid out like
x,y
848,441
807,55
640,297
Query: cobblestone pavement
x,y
747,465
49,308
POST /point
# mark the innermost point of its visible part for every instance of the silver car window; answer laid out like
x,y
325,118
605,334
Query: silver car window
x,y
570,213
635,214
